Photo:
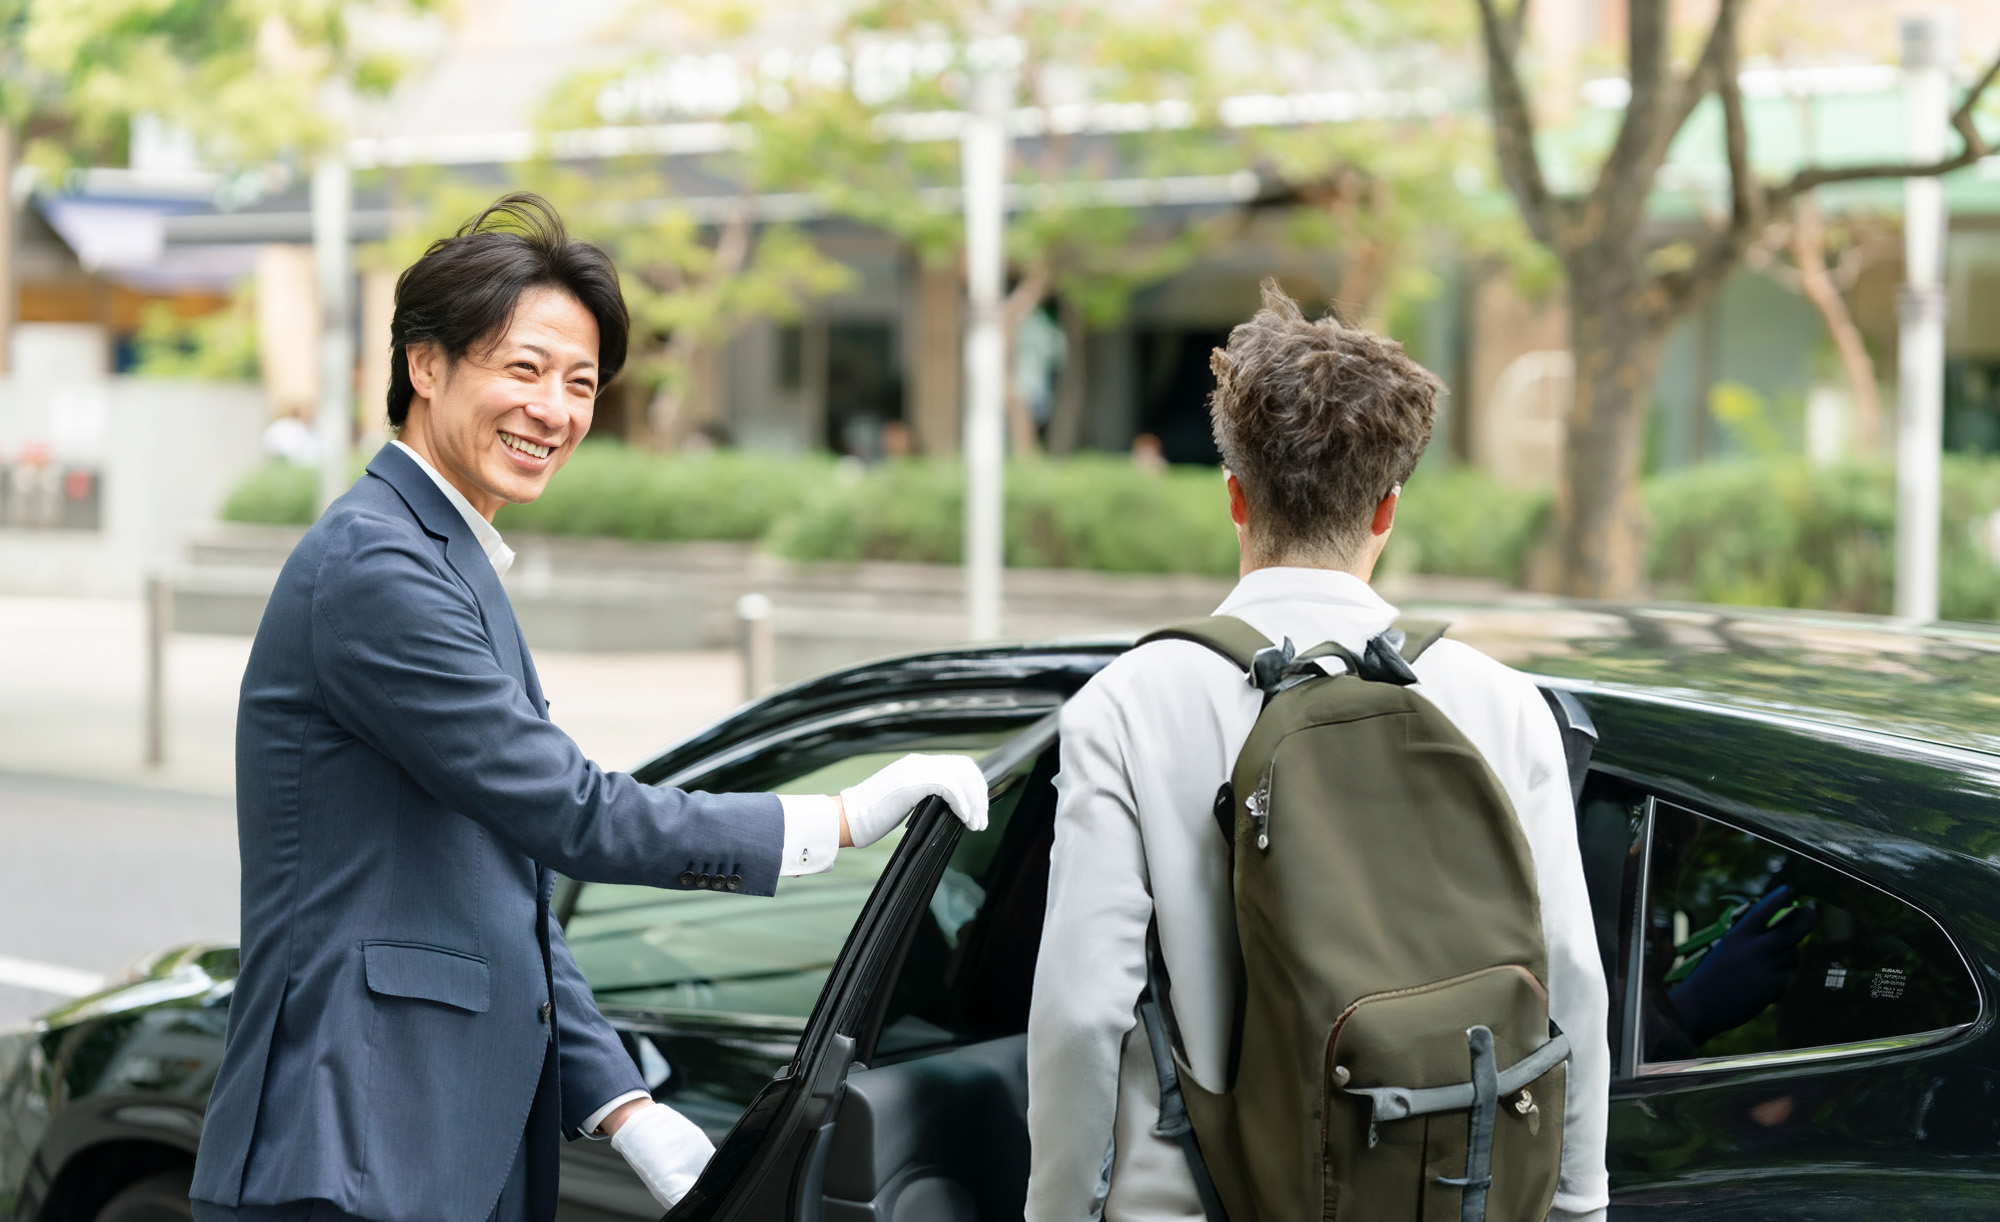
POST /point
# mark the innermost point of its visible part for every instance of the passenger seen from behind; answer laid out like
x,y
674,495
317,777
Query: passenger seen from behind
x,y
1319,426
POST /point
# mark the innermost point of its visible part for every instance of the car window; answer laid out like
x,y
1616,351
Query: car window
x,y
969,967
724,954
1752,949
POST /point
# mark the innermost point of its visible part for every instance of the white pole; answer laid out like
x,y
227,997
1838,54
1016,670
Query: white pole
x,y
983,153
159,628
1928,51
332,197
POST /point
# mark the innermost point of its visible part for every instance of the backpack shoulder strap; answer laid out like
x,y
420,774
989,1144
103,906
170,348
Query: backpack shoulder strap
x,y
1224,634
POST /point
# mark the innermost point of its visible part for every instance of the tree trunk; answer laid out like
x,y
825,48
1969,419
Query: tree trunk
x,y
1601,526
1816,282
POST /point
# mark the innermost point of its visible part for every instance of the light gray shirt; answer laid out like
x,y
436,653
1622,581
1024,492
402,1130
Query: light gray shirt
x,y
1145,746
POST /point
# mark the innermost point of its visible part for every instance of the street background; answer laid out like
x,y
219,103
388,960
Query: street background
x,y
924,298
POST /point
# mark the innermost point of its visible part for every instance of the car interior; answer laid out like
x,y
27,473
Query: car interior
x,y
934,1124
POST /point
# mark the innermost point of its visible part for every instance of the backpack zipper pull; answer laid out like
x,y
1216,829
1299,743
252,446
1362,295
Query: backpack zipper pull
x,y
1259,806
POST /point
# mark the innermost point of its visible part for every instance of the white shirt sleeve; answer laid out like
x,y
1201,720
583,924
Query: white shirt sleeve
x,y
812,833
1090,971
1504,715
1577,1000
596,1118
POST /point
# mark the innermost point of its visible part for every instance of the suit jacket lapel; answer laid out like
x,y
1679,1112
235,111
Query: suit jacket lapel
x,y
441,520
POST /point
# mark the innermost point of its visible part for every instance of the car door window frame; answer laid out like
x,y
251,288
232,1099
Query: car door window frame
x,y
760,1161
1631,1062
1027,705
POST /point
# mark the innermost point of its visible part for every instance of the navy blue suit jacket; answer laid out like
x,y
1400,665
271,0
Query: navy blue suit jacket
x,y
402,801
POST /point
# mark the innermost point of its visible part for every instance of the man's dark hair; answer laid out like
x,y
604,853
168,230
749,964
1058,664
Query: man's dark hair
x,y
462,293
1318,422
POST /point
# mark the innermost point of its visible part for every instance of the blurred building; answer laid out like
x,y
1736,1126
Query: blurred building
x,y
877,369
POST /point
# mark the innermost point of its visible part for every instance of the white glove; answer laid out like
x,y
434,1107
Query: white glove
x,y
666,1149
877,805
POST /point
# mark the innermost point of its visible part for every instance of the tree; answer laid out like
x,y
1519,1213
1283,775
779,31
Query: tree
x,y
690,283
241,82
854,112
1626,291
1824,281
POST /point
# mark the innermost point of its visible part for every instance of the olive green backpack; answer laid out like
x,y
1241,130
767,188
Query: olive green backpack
x,y
1393,1056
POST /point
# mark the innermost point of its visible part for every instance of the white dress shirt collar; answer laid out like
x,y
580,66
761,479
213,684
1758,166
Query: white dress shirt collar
x,y
1279,584
497,552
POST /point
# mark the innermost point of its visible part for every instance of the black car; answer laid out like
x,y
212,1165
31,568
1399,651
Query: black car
x,y
855,1046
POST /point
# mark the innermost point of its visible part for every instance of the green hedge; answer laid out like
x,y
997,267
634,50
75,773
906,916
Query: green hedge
x,y
1770,532
1781,533
611,489
1464,523
1091,512
279,493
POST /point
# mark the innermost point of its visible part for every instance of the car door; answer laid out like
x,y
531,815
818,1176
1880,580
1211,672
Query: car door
x,y
1791,950
711,992
934,972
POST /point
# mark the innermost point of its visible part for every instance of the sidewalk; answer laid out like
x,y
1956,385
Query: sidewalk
x,y
72,686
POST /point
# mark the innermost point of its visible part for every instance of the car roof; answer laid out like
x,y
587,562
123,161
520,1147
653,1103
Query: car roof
x,y
1938,683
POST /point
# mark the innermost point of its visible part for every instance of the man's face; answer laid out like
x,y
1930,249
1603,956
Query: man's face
x,y
498,423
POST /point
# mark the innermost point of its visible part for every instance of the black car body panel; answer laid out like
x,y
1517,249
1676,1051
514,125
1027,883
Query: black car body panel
x,y
1839,745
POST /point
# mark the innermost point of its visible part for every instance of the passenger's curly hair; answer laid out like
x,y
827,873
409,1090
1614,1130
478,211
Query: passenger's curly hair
x,y
1318,422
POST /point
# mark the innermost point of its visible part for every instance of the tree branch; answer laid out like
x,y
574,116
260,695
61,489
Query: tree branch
x,y
1752,204
1627,173
1747,202
1706,74
1514,124
1961,120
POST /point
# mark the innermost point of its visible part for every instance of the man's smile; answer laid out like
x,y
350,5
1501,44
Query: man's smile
x,y
525,446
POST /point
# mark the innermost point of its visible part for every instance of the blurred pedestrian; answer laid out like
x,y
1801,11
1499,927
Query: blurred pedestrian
x,y
409,1035
290,439
1155,1023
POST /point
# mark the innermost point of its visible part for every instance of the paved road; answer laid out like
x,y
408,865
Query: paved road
x,y
96,874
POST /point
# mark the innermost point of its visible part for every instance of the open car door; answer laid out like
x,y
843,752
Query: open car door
x,y
915,1055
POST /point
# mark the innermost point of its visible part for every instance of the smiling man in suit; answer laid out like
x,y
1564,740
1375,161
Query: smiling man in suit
x,y
409,1035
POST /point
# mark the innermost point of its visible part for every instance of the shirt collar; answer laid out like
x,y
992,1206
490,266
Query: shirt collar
x,y
497,552
1284,585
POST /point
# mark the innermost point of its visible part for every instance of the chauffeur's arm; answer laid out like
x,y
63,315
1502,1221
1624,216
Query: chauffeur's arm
x,y
404,664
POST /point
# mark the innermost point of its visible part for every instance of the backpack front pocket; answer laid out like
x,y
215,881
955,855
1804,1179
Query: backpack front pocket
x,y
1411,1166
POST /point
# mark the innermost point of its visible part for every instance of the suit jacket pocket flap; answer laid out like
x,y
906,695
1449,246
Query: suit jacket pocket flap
x,y
432,973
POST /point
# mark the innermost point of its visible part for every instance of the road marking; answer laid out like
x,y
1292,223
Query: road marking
x,y
48,978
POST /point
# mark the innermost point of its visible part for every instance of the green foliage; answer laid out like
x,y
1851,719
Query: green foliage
x,y
1752,427
1758,532
1781,533
690,286
278,493
1462,522
1092,512
910,510
1102,512
610,489
221,346
242,78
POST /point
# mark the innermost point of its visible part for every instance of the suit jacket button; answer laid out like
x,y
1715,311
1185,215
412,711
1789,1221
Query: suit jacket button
x,y
734,882
687,878
701,880
548,1008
